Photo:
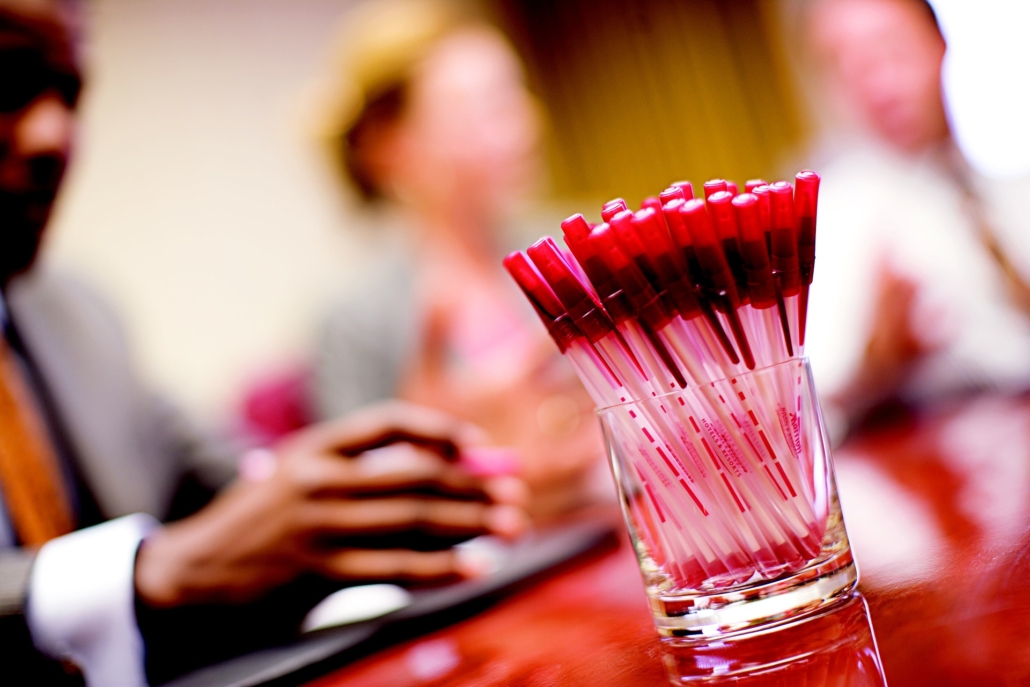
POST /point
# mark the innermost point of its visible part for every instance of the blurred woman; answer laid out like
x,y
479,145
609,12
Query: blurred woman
x,y
434,129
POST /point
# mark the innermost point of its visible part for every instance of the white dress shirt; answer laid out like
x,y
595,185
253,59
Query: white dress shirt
x,y
81,604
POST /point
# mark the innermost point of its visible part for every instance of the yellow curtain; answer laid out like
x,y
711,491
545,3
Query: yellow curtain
x,y
645,92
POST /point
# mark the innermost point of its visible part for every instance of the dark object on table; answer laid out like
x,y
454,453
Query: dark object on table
x,y
321,651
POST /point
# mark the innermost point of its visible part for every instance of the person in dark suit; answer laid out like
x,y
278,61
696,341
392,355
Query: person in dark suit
x,y
92,585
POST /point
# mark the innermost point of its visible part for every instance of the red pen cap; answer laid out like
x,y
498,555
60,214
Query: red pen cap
x,y
657,208
686,187
806,193
601,278
714,186
764,195
783,247
720,209
652,202
749,221
677,227
585,312
670,194
576,227
681,239
709,252
646,301
530,281
731,188
547,306
806,201
721,279
631,243
577,269
753,251
668,263
751,184
692,269
650,227
612,208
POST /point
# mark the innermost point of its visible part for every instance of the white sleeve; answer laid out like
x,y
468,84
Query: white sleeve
x,y
81,604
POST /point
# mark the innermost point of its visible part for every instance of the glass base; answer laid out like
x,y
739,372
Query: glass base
x,y
760,605
833,646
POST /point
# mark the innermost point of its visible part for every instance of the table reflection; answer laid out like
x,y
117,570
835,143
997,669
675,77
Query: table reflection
x,y
833,647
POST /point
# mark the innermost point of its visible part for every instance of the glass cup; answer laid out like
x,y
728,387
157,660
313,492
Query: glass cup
x,y
731,503
834,646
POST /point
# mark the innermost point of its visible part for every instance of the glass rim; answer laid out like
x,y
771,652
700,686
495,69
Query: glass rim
x,y
600,410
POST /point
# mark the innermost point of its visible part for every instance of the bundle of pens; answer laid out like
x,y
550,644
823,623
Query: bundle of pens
x,y
688,316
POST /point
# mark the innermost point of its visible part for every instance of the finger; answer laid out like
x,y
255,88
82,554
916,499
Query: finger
x,y
399,565
508,490
390,423
400,468
480,473
438,517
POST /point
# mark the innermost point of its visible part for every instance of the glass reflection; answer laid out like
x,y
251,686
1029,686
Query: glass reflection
x,y
832,648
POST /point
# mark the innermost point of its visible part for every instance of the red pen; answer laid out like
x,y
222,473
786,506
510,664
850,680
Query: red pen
x,y
720,209
714,186
784,251
682,240
650,306
652,202
722,286
612,208
685,187
670,194
806,201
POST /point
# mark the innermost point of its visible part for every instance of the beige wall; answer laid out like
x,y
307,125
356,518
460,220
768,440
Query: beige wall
x,y
196,204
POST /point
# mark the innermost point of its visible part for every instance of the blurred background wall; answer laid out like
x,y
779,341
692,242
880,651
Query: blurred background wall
x,y
199,206
196,202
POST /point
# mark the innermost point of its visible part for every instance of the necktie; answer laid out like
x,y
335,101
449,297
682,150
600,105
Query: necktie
x,y
30,476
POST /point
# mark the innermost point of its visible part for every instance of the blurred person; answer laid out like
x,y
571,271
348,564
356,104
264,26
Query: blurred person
x,y
436,133
90,460
921,282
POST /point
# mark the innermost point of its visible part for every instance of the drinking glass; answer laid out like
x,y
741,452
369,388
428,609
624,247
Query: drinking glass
x,y
728,492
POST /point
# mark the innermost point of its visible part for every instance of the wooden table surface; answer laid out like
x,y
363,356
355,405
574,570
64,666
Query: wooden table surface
x,y
937,508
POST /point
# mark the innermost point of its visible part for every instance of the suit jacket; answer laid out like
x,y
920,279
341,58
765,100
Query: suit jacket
x,y
131,450
369,334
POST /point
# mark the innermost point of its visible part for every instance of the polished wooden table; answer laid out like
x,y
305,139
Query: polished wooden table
x,y
937,508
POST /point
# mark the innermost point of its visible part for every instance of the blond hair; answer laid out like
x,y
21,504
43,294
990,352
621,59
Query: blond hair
x,y
377,50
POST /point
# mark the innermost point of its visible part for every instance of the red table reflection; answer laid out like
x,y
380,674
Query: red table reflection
x,y
937,508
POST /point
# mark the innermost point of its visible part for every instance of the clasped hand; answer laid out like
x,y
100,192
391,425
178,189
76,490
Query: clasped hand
x,y
334,495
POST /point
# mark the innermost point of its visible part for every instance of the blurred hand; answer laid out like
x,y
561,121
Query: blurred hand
x,y
893,343
333,490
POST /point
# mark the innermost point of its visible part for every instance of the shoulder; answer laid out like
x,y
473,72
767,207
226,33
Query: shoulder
x,y
377,297
53,302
